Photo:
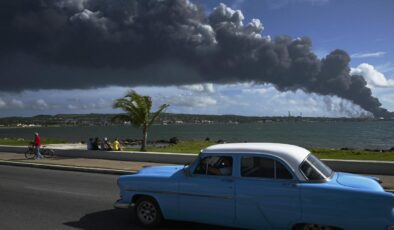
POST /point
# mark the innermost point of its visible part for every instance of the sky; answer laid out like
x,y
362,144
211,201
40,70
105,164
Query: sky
x,y
201,57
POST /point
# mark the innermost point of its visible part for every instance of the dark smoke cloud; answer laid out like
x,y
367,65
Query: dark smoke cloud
x,y
47,44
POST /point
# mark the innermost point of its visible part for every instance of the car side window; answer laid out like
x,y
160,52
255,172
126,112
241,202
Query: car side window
x,y
257,167
263,167
215,165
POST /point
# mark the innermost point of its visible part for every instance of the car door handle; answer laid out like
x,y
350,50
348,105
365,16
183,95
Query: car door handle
x,y
228,180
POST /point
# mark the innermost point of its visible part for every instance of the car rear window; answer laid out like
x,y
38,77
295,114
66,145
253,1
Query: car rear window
x,y
263,167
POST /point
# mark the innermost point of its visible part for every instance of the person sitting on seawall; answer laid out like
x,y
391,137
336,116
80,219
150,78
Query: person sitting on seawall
x,y
95,145
105,145
116,145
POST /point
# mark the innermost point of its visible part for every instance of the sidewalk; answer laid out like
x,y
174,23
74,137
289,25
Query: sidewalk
x,y
103,166
128,166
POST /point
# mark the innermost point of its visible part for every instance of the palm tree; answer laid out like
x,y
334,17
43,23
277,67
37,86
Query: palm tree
x,y
138,112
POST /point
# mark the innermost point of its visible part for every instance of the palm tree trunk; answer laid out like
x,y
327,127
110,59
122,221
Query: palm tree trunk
x,y
144,138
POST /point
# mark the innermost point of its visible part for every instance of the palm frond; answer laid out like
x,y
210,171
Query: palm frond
x,y
138,109
120,117
157,113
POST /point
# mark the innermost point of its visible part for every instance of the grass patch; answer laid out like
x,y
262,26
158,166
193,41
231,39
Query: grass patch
x,y
192,147
24,142
352,154
195,146
388,187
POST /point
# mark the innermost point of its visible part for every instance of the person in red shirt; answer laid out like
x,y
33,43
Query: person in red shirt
x,y
37,145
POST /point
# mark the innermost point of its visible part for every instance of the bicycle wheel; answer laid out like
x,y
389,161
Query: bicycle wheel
x,y
29,154
48,153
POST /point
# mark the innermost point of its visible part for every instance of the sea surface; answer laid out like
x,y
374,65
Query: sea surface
x,y
358,134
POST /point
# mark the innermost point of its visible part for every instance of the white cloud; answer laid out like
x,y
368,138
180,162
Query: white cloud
x,y
89,105
203,88
373,77
2,103
100,104
248,99
261,89
191,101
368,55
72,107
227,12
40,104
94,18
17,103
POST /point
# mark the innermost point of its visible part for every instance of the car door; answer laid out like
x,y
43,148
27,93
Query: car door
x,y
207,194
267,194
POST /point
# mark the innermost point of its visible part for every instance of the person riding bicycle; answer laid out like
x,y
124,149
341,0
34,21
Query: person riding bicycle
x,y
37,145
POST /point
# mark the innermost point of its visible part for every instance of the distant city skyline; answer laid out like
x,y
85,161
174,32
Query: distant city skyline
x,y
59,78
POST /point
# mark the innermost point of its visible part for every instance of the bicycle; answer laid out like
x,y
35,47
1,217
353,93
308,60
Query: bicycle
x,y
31,152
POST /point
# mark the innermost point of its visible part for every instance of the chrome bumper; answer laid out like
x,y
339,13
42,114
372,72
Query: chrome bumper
x,y
119,204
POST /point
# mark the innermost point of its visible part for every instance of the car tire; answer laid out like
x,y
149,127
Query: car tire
x,y
147,212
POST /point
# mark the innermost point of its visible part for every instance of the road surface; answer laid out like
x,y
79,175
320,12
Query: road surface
x,y
32,198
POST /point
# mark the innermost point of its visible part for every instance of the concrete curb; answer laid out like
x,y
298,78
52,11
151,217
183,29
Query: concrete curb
x,y
67,168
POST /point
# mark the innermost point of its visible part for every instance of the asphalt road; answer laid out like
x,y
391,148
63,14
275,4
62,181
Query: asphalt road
x,y
32,198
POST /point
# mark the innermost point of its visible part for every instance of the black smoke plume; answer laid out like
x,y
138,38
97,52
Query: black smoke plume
x,y
64,44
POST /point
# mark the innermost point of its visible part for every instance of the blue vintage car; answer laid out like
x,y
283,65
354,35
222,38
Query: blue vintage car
x,y
257,186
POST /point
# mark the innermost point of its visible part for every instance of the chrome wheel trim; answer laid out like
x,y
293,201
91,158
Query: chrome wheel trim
x,y
147,212
316,227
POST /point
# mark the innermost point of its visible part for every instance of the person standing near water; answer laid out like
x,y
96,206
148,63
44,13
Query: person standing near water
x,y
90,144
37,145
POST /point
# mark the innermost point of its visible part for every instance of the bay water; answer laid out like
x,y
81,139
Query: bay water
x,y
357,134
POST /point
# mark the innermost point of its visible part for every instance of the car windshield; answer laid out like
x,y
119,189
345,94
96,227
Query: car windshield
x,y
314,169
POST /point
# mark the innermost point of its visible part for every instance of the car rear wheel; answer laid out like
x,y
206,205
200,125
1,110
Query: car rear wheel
x,y
147,212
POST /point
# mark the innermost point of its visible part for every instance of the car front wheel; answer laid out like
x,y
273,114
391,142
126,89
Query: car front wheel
x,y
147,212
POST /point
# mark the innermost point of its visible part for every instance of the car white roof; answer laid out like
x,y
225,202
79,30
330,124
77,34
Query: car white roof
x,y
293,155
